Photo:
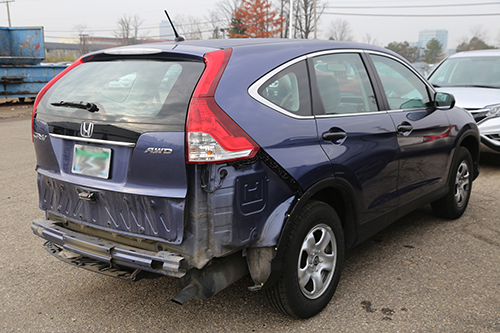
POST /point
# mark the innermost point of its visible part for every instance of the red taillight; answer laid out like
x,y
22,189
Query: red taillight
x,y
211,135
42,92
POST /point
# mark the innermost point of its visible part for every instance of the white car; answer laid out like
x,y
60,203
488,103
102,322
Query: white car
x,y
473,77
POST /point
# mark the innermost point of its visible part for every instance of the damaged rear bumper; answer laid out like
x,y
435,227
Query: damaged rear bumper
x,y
91,252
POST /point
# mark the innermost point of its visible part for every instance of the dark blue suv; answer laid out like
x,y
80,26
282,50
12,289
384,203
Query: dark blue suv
x,y
209,160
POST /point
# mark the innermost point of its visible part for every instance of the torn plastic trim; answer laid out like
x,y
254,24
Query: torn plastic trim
x,y
163,262
274,224
274,166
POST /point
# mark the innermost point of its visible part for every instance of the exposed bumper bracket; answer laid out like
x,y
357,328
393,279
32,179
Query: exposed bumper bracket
x,y
104,256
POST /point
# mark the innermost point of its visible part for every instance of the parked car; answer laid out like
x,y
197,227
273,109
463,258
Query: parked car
x,y
261,156
474,79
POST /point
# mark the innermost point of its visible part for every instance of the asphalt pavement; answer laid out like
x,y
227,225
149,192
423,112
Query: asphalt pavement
x,y
421,274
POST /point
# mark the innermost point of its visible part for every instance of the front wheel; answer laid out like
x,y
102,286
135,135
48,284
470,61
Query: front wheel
x,y
453,204
312,263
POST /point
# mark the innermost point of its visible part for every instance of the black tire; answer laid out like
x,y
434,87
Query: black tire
x,y
315,249
454,203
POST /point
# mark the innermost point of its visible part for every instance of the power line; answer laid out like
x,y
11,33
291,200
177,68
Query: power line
x,y
415,6
140,28
414,15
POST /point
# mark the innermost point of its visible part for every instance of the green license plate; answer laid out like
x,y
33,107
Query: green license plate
x,y
91,161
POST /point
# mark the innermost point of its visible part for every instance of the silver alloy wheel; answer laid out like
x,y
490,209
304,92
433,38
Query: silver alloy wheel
x,y
317,261
462,182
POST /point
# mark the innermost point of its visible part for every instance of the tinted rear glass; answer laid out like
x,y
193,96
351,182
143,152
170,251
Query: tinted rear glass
x,y
144,91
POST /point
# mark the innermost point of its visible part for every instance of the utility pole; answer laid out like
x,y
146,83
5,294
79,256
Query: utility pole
x,y
84,48
315,20
8,10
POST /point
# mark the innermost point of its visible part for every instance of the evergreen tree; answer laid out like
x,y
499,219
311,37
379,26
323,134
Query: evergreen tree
x,y
433,51
237,30
475,43
410,53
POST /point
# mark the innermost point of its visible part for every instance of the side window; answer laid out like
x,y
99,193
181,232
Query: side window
x,y
404,89
343,84
289,89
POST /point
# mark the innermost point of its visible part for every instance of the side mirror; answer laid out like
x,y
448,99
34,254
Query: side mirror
x,y
444,101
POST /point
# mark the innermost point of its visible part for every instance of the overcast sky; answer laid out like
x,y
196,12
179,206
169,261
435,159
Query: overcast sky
x,y
59,17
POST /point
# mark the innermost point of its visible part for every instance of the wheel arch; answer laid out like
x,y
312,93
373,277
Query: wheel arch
x,y
336,193
471,142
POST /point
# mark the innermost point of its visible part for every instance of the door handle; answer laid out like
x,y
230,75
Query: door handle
x,y
334,136
405,127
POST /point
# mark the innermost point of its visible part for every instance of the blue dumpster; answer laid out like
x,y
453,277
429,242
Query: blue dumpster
x,y
21,72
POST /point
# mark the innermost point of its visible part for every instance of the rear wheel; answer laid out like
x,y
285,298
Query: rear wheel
x,y
453,204
312,263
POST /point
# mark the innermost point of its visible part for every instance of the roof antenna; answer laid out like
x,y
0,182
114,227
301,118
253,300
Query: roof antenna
x,y
178,38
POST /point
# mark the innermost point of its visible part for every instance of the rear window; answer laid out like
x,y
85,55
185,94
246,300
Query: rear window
x,y
130,90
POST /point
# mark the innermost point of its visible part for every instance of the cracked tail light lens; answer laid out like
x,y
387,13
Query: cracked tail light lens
x,y
212,136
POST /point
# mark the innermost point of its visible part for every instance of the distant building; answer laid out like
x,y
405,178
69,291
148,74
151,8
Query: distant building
x,y
426,35
66,51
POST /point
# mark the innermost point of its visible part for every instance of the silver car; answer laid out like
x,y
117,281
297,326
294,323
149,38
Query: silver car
x,y
473,77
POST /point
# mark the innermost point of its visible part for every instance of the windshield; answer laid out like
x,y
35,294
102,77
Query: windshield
x,y
470,71
140,90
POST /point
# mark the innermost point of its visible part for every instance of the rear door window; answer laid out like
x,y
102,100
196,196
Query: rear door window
x,y
343,84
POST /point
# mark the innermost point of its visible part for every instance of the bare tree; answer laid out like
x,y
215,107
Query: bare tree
x,y
81,29
136,23
477,42
479,32
218,24
217,29
220,18
304,17
190,27
340,30
226,8
284,11
128,29
368,39
83,35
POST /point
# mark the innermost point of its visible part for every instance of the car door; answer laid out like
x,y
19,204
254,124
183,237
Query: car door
x,y
359,139
424,133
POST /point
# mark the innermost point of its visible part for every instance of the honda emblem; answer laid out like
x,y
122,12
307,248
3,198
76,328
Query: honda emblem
x,y
86,129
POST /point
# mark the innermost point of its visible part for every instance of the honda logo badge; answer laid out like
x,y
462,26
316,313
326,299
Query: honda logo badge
x,y
86,129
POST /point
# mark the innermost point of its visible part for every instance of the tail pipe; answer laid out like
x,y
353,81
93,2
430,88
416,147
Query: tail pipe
x,y
208,281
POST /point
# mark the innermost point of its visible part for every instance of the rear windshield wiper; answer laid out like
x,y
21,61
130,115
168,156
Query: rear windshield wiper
x,y
89,106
